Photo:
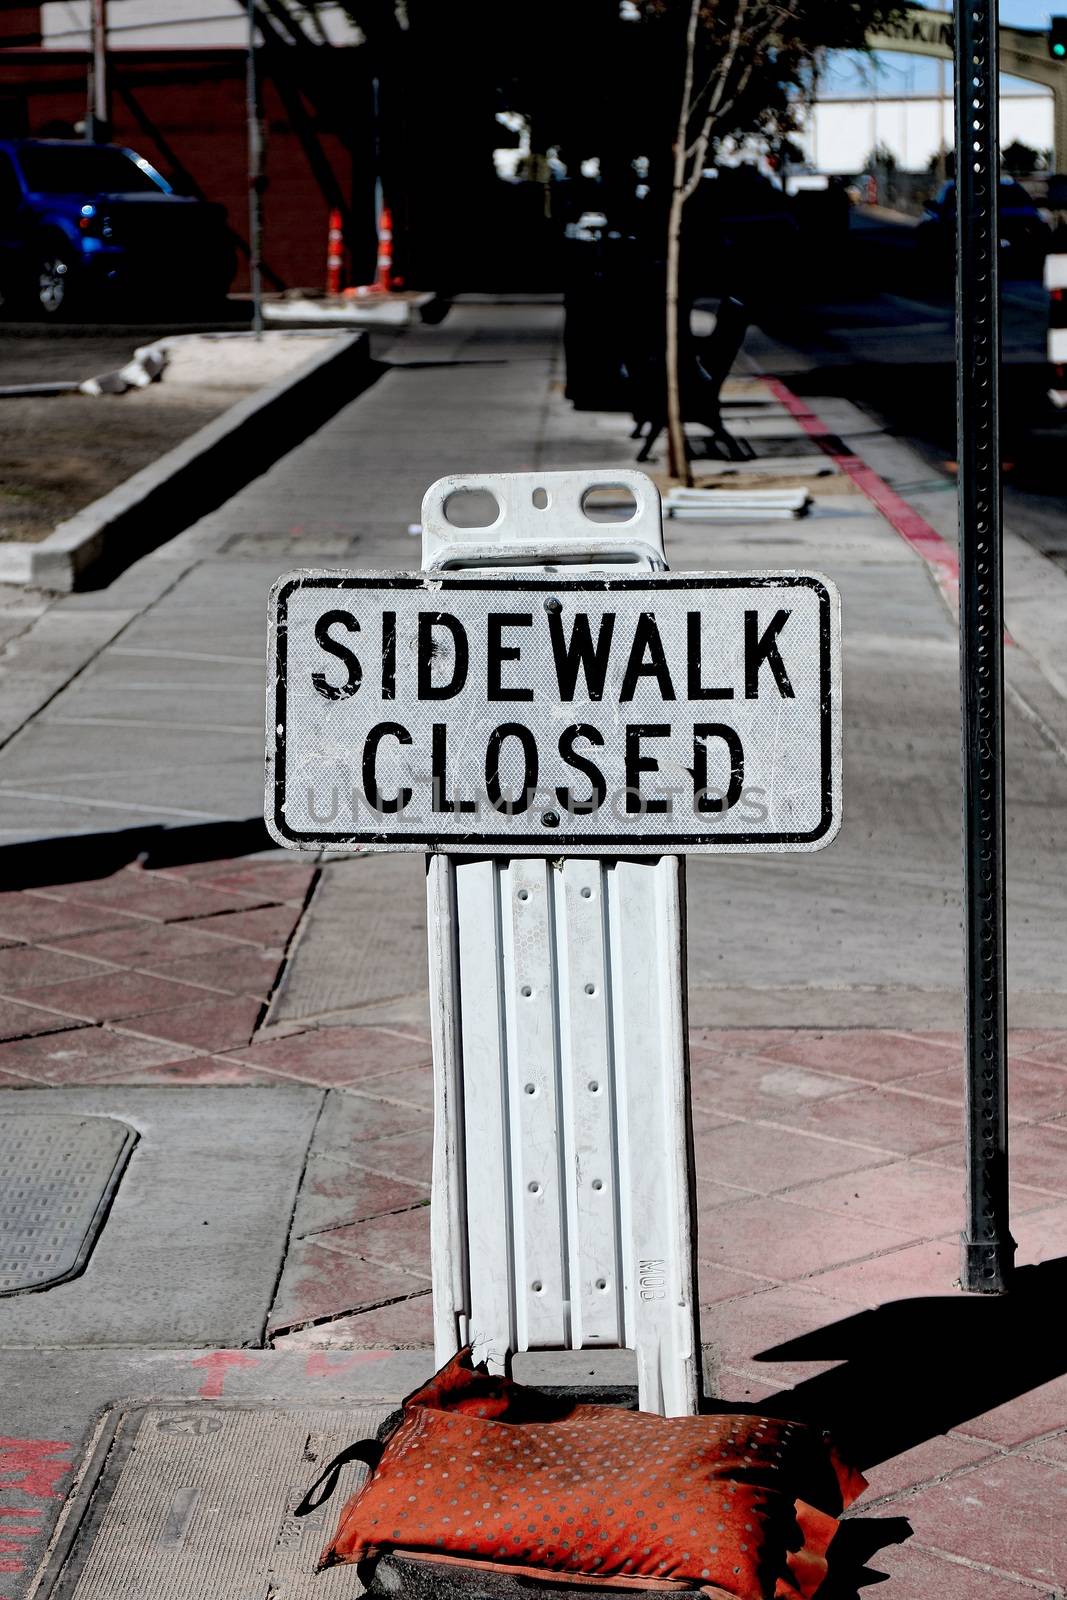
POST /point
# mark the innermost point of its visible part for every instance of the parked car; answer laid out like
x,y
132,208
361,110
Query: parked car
x,y
1024,233
84,224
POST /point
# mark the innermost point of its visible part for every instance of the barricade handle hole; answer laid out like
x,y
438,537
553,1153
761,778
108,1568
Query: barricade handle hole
x,y
609,502
526,991
471,508
540,499
537,1286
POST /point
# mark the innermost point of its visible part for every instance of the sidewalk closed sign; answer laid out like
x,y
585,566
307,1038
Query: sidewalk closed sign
x,y
651,714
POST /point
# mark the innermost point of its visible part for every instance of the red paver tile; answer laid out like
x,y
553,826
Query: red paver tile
x,y
347,1193
138,944
771,1158
334,1057
1052,1049
1051,1448
231,969
406,1325
876,1055
710,1195
214,1070
742,1330
741,1388
319,1283
1036,1090
930,1268
716,1282
413,1086
401,1239
1036,1156
81,1055
34,919
211,1024
743,1086
1009,1513
1035,1412
922,1199
110,996
918,1574
155,895
776,1240
883,1118
21,1022
11,1080
927,1462
25,965
270,926
266,880
404,1155
1040,1235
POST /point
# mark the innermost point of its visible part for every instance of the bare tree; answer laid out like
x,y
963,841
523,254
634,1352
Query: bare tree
x,y
742,61
725,44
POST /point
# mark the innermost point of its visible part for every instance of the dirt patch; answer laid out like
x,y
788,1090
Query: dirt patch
x,y
60,453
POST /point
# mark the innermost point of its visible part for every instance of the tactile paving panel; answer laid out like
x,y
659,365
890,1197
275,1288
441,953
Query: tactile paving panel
x,y
196,1502
57,1178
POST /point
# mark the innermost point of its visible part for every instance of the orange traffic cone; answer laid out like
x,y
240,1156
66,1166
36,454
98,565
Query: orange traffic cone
x,y
335,254
383,277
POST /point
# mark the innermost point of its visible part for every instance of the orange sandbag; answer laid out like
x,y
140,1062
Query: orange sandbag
x,y
482,1470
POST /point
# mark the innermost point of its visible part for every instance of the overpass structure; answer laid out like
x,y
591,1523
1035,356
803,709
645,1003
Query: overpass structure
x,y
1023,54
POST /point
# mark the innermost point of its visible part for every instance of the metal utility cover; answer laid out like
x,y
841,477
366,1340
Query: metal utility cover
x,y
57,1178
511,712
198,1501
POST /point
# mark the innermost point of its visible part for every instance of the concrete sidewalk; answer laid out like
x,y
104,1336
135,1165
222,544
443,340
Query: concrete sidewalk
x,y
260,1024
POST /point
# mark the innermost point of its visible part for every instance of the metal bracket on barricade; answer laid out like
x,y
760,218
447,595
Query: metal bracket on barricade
x,y
557,719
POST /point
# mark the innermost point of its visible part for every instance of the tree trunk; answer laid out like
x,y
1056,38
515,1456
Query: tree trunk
x,y
677,453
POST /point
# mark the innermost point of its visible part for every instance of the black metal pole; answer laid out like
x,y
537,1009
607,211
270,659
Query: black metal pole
x,y
988,1248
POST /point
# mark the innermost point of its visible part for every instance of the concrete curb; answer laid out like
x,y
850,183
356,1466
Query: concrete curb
x,y
199,474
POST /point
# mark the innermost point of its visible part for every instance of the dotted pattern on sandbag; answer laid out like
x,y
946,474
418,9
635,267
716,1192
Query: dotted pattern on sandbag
x,y
598,1491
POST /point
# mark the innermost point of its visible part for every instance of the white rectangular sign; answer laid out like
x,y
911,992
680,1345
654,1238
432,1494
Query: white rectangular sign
x,y
519,713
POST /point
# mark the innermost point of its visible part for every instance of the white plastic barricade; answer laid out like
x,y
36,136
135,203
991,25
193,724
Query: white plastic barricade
x,y
562,1213
555,718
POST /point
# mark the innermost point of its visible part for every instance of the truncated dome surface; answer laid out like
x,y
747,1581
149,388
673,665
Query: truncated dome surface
x,y
57,1175
198,1504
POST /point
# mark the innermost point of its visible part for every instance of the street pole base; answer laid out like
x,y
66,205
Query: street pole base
x,y
987,1267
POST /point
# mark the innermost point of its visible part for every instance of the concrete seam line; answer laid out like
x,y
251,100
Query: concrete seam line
x,y
181,480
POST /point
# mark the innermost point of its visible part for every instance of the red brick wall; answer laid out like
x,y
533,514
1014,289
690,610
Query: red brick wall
x,y
186,109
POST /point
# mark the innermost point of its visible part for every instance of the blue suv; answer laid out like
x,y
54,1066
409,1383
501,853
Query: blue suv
x,y
86,223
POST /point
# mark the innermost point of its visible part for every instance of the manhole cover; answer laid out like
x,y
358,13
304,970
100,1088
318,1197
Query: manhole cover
x,y
198,1502
57,1178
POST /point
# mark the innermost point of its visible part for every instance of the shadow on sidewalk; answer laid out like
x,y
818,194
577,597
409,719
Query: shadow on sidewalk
x,y
912,1369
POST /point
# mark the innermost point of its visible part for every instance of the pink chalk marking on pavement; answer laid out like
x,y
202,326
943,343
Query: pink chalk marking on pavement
x,y
33,1467
216,1365
927,543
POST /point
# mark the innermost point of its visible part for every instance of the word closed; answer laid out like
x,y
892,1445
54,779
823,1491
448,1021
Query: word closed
x,y
646,714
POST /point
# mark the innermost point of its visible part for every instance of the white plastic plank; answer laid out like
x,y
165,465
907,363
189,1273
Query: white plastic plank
x,y
562,1157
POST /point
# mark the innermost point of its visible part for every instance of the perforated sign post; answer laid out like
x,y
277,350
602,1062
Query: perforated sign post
x,y
554,719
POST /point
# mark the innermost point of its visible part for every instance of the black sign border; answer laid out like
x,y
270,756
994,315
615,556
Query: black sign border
x,y
557,843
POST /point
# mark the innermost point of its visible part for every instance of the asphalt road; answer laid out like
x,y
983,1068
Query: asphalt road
x,y
880,334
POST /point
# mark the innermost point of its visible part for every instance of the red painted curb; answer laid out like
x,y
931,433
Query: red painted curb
x,y
927,543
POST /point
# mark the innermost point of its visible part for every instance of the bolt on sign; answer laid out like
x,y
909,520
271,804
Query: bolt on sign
x,y
512,712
